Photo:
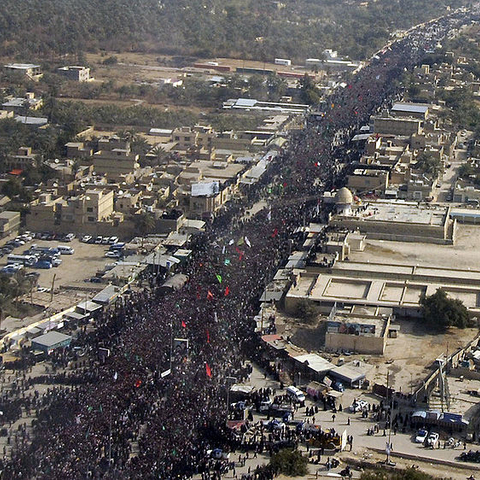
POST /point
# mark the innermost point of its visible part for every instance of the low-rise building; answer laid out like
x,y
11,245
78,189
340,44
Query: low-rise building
x,y
396,220
9,223
21,105
30,70
23,159
75,72
358,329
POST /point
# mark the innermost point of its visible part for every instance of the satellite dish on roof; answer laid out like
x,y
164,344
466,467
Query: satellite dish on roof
x,y
56,160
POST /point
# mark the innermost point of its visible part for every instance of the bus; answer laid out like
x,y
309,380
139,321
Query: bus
x,y
26,260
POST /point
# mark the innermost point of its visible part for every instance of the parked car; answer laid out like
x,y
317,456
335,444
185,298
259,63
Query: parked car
x,y
358,406
113,240
265,405
113,254
433,439
421,436
86,238
43,264
98,240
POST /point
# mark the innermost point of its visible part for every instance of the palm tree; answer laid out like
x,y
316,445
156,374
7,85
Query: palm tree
x,y
145,224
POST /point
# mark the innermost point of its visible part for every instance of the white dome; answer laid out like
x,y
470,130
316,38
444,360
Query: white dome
x,y
344,197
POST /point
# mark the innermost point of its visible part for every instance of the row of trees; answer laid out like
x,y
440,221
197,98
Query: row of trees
x,y
238,28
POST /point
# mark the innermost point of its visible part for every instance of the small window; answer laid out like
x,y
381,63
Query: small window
x,y
89,209
91,219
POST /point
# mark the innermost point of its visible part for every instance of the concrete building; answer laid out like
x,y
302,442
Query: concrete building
x,y
78,150
75,72
30,70
23,159
20,105
92,207
399,221
9,223
115,160
415,110
358,329
399,287
363,180
397,126
51,341
84,213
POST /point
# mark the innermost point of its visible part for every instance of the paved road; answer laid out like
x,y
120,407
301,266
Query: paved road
x,y
402,443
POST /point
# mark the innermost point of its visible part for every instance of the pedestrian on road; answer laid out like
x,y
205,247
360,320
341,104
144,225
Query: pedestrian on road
x,y
333,417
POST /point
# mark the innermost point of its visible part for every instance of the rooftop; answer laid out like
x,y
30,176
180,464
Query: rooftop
x,y
410,107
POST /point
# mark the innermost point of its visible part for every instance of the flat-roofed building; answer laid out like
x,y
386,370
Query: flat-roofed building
x,y
358,329
363,180
397,126
9,223
23,159
31,70
416,110
399,221
116,163
75,72
395,286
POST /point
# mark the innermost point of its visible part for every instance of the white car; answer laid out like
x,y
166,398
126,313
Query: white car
x,y
86,238
433,439
265,405
113,254
358,406
421,436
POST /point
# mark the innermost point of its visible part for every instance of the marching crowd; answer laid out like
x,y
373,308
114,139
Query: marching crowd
x,y
148,411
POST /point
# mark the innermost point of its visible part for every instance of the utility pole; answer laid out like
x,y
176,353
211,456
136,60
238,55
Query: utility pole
x,y
53,286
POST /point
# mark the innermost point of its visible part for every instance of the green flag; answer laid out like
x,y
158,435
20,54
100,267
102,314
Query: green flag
x,y
219,278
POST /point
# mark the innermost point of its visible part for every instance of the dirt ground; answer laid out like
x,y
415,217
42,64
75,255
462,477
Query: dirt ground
x,y
464,254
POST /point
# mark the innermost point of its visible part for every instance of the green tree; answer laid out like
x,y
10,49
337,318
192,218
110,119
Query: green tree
x,y
289,462
308,91
429,164
441,311
145,224
306,311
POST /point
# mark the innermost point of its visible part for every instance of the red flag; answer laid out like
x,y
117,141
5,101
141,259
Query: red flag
x,y
240,254
275,233
208,336
210,295
184,325
227,291
138,383
208,370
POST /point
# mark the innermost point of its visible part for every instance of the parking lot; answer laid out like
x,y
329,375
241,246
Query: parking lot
x,y
74,269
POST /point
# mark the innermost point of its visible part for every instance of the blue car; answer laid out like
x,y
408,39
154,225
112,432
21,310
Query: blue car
x,y
43,264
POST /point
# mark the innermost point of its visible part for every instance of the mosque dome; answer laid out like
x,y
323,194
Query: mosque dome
x,y
344,197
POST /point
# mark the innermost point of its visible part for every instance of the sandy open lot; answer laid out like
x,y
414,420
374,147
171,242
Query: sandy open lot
x,y
464,254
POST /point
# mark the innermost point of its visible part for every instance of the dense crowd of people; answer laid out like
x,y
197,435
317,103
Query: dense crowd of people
x,y
150,411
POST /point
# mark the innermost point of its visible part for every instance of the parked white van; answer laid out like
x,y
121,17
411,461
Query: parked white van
x,y
295,394
65,250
